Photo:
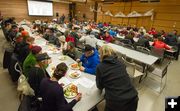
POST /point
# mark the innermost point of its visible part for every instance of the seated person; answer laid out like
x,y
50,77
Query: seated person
x,y
171,40
49,36
89,39
112,32
160,44
12,33
69,38
66,33
82,30
52,92
6,30
63,42
108,38
105,24
30,60
38,72
22,49
130,36
70,51
142,29
124,31
90,59
144,41
152,31
74,34
22,36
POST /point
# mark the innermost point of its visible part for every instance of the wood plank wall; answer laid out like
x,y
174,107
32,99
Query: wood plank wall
x,y
167,14
19,10
84,8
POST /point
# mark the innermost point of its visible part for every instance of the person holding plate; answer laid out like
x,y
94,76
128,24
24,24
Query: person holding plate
x,y
52,92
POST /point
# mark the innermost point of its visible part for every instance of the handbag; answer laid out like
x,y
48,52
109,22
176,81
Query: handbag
x,y
24,87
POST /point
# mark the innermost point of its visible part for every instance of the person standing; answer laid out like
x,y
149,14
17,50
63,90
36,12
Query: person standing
x,y
111,75
62,18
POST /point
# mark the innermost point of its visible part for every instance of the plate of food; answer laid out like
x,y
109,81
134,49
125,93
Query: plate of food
x,y
74,66
62,58
71,91
74,74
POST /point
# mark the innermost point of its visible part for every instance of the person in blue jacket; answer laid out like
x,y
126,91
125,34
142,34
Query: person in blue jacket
x,y
112,32
90,59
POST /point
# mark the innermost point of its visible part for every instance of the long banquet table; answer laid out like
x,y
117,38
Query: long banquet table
x,y
138,56
86,82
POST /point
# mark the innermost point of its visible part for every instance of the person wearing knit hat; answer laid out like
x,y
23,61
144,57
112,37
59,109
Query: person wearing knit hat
x,y
70,51
30,60
36,49
37,72
23,48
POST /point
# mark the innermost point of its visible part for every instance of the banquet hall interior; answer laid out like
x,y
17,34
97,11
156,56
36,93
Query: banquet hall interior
x,y
89,55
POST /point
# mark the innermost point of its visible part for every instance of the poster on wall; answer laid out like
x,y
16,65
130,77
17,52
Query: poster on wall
x,y
40,8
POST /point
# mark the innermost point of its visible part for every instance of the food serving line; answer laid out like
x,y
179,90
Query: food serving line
x,y
85,82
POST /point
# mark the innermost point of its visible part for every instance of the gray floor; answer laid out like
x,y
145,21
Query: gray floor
x,y
149,100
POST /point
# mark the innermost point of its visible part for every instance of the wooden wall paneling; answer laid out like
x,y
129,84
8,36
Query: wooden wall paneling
x,y
84,8
133,21
139,22
19,10
169,24
168,16
167,13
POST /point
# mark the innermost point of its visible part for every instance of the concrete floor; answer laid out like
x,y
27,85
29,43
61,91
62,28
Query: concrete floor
x,y
149,100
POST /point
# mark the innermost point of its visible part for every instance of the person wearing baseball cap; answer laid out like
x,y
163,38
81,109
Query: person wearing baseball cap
x,y
90,59
30,60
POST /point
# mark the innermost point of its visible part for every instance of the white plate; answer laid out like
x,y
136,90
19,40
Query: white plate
x,y
62,58
77,68
76,73
71,96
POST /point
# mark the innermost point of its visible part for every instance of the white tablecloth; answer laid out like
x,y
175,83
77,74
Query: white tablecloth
x,y
90,96
139,56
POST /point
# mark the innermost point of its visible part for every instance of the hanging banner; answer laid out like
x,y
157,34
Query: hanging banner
x,y
92,9
120,14
108,13
99,10
134,14
149,13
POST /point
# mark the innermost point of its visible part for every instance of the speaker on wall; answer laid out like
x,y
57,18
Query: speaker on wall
x,y
57,14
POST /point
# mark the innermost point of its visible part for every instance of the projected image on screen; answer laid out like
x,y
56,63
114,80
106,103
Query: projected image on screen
x,y
38,8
